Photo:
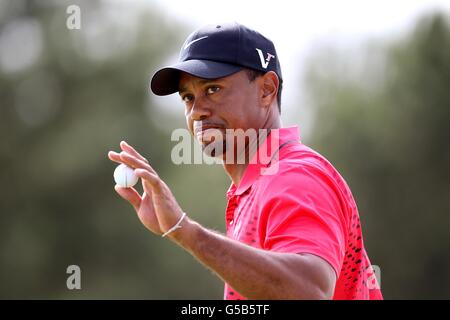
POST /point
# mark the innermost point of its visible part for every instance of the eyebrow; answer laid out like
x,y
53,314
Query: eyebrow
x,y
200,81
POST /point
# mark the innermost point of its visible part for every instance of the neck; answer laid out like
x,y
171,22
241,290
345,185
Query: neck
x,y
236,171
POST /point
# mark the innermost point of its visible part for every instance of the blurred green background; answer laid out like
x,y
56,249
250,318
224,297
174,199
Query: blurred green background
x,y
381,115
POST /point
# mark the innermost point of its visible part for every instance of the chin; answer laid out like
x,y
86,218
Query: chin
x,y
215,149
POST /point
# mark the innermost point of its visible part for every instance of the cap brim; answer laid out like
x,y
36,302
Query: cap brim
x,y
166,80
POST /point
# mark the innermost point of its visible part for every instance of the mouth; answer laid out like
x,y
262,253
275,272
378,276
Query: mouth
x,y
209,132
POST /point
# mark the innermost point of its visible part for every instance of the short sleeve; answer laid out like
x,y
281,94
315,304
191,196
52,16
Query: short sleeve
x,y
303,213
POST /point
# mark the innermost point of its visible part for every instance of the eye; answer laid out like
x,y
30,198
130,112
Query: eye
x,y
212,89
187,98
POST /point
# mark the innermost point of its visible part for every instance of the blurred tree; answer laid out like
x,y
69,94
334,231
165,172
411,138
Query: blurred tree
x,y
383,118
66,98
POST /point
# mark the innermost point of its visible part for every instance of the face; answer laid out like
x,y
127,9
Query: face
x,y
213,106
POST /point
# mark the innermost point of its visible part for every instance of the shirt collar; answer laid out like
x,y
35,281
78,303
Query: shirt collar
x,y
261,159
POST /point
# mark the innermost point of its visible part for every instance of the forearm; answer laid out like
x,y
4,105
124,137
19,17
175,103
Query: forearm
x,y
253,272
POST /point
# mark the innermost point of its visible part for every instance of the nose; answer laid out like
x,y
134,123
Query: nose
x,y
200,110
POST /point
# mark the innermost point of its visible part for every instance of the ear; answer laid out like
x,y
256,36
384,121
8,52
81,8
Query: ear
x,y
269,88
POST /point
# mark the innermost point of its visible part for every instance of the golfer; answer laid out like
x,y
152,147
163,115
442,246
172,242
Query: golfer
x,y
292,226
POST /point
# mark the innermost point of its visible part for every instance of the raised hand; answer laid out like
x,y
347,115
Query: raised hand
x,y
157,208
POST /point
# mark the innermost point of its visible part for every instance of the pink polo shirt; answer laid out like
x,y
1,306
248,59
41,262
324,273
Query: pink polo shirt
x,y
298,203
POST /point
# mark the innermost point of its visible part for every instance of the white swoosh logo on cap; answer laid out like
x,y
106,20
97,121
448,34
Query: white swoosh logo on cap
x,y
193,41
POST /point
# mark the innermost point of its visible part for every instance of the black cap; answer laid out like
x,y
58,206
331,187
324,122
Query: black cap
x,y
217,51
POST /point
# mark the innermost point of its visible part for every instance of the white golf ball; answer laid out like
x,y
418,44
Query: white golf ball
x,y
124,176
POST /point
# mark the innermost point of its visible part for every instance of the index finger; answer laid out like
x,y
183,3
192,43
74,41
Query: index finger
x,y
114,156
134,162
126,147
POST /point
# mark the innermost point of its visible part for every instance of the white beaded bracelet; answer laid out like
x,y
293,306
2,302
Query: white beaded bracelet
x,y
176,226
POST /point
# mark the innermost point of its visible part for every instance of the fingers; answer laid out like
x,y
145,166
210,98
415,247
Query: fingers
x,y
130,157
114,156
134,162
152,179
129,160
131,195
127,148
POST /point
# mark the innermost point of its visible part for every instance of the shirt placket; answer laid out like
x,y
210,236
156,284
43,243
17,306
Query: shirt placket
x,y
229,216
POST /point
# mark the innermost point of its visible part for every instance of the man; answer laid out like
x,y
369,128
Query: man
x,y
293,229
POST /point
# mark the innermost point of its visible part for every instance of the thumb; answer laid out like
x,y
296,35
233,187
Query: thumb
x,y
129,194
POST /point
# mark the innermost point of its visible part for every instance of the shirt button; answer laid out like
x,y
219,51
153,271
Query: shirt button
x,y
231,222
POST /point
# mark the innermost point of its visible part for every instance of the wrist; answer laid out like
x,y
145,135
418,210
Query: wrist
x,y
185,235
176,226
